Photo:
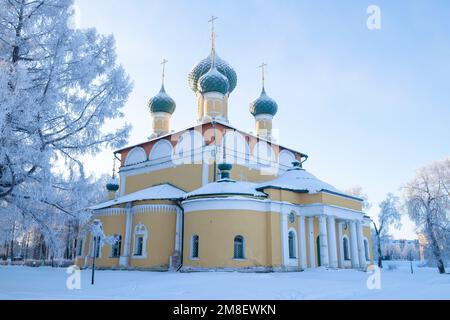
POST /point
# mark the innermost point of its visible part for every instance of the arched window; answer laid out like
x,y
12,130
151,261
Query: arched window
x,y
345,246
140,241
136,155
239,247
116,246
292,245
161,152
194,246
366,249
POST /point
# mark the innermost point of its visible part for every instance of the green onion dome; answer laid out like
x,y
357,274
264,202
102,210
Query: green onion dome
x,y
112,185
162,102
263,105
213,81
205,65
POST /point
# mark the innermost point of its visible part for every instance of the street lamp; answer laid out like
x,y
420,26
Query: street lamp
x,y
95,228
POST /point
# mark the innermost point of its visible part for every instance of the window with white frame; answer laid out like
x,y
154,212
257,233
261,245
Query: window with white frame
x,y
366,249
140,241
292,244
345,247
239,251
194,247
116,246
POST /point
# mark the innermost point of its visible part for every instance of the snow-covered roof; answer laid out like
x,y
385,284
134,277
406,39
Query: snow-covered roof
x,y
159,192
227,187
298,179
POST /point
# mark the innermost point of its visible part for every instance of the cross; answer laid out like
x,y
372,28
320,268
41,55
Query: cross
x,y
213,34
163,63
262,66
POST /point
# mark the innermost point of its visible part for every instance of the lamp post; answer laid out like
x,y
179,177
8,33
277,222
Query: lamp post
x,y
96,234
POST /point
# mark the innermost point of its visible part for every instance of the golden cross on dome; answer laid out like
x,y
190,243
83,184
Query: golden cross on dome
x,y
213,34
262,66
163,63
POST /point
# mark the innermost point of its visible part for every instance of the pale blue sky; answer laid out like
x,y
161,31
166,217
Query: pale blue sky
x,y
368,107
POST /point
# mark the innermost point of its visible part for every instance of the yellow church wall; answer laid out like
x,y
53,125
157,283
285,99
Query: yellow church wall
x,y
186,177
114,224
273,239
368,234
160,241
216,231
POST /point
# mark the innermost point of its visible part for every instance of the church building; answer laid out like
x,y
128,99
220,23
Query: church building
x,y
214,197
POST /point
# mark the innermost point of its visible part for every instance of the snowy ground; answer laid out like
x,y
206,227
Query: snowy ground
x,y
50,283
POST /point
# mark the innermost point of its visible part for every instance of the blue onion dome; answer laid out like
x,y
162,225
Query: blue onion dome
x,y
112,185
263,105
205,65
162,102
213,81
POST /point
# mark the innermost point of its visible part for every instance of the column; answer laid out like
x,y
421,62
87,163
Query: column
x,y
284,240
312,252
341,245
361,249
332,248
302,242
178,231
324,258
125,259
354,245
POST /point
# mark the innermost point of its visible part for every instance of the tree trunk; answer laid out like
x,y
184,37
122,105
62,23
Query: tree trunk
x,y
435,246
380,260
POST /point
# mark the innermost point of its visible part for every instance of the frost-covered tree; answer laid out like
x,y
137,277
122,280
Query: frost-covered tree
x,y
388,215
58,86
358,191
428,203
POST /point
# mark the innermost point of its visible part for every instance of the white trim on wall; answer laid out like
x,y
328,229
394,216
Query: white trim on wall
x,y
140,230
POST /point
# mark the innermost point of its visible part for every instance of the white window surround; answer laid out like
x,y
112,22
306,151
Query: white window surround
x,y
140,230
293,260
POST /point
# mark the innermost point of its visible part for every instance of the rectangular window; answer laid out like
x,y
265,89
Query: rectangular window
x,y
116,246
139,245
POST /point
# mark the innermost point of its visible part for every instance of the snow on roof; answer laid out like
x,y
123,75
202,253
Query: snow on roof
x,y
298,179
227,187
159,192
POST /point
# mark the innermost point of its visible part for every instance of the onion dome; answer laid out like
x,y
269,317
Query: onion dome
x,y
205,65
112,185
263,105
162,102
213,81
